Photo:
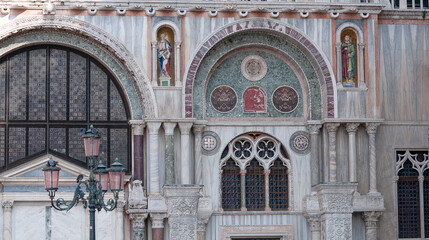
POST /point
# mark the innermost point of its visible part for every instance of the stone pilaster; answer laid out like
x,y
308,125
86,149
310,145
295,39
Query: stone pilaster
x,y
169,152
153,157
138,136
336,207
7,219
371,129
314,222
182,205
315,164
198,132
138,226
158,225
186,175
154,64
120,220
332,133
177,46
351,130
371,219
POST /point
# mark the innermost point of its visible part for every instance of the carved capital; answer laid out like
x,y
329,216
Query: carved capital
x,y
169,128
371,218
154,44
7,205
153,127
243,171
332,127
371,128
158,219
198,128
138,220
138,127
202,223
314,128
120,205
352,127
177,44
185,127
314,222
267,171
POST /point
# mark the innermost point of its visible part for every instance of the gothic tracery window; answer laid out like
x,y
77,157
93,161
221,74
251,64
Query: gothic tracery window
x,y
260,172
48,94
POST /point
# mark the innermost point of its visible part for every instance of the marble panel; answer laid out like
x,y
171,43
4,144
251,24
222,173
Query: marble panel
x,y
105,225
168,100
358,226
69,225
30,216
351,104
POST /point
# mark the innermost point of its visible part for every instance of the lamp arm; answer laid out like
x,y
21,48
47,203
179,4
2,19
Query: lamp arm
x,y
62,205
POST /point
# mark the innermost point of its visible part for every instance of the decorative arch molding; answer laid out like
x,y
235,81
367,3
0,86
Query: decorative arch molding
x,y
66,31
360,52
317,58
177,44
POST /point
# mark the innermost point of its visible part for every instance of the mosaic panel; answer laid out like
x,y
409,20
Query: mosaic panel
x,y
255,186
208,142
117,108
36,140
285,99
278,186
119,145
17,86
231,186
77,99
299,142
254,100
98,94
2,146
223,99
37,85
2,90
57,140
17,143
76,149
58,85
253,68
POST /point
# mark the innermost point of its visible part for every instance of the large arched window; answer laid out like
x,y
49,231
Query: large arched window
x,y
255,173
48,94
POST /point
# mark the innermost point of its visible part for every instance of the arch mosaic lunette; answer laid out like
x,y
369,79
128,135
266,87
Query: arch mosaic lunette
x,y
315,56
66,31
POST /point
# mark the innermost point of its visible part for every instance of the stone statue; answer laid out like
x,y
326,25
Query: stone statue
x,y
348,54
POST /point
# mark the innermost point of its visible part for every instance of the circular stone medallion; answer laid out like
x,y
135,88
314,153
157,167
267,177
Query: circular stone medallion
x,y
300,142
253,68
223,99
285,99
210,143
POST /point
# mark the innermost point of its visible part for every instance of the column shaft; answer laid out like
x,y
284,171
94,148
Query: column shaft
x,y
153,157
314,164
158,225
120,220
7,220
154,64
267,190
169,153
351,129
371,129
186,160
243,190
332,132
198,132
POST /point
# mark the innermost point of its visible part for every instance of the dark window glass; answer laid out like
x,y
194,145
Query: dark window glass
x,y
255,186
231,186
48,94
426,201
278,186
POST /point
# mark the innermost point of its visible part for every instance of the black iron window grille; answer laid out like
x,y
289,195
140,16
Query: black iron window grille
x,y
47,94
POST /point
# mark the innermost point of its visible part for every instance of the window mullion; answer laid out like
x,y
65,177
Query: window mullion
x,y
243,189
267,189
421,207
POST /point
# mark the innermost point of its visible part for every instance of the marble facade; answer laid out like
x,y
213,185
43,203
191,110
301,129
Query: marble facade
x,y
341,167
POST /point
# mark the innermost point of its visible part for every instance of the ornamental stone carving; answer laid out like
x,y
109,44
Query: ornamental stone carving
x,y
138,224
182,207
340,203
253,68
338,226
137,199
183,229
7,205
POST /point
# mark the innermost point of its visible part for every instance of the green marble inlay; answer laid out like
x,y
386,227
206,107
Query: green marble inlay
x,y
243,40
169,159
278,74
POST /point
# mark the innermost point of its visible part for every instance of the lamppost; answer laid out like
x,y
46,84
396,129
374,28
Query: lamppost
x,y
96,186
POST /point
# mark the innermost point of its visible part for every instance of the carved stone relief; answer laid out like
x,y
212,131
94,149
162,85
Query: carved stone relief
x,y
253,68
285,99
223,99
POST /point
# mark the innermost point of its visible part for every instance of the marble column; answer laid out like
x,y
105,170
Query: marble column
x,y
332,133
158,225
177,74
138,225
185,128
267,189
153,158
154,64
243,189
138,133
361,68
371,129
314,165
371,219
339,63
314,221
198,132
7,220
169,152
201,227
119,232
351,130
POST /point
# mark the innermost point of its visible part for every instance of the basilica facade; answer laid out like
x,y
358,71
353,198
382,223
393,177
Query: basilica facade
x,y
274,119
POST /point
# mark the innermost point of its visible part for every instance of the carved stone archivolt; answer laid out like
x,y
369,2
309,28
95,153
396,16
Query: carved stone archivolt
x,y
98,42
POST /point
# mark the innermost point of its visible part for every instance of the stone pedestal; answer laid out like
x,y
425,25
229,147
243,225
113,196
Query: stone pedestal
x,y
182,205
336,207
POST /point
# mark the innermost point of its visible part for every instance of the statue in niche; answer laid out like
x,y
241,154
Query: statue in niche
x,y
164,54
348,53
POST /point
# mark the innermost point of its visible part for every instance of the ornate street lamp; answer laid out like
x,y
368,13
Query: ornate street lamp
x,y
96,186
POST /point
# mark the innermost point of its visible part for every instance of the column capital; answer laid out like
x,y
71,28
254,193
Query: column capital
x,y
267,171
202,223
313,128
158,219
314,222
332,127
153,127
154,44
120,205
198,128
7,205
177,44
137,126
371,218
371,128
169,127
243,171
138,220
185,127
352,127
